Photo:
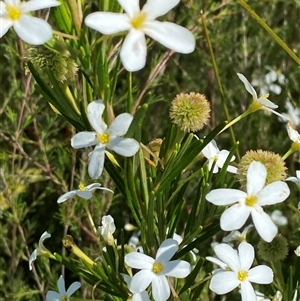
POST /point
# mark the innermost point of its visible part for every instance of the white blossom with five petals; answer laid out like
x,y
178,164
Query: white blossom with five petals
x,y
155,270
62,294
16,14
250,202
236,271
105,137
140,22
85,192
40,250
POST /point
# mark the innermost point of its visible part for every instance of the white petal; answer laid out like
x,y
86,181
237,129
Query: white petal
x,y
141,280
232,169
142,296
217,262
171,35
84,139
33,30
96,163
138,260
132,7
234,217
166,250
120,125
248,86
61,285
160,288
225,196
157,8
2,11
107,23
246,255
34,5
94,111
52,296
95,186
223,283
222,156
210,150
66,196
134,51
44,236
32,258
5,25
264,225
126,147
273,193
228,255
73,288
261,274
267,103
15,3
84,194
177,268
256,177
247,291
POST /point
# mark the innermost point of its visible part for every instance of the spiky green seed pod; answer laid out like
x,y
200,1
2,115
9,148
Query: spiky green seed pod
x,y
190,111
276,250
275,165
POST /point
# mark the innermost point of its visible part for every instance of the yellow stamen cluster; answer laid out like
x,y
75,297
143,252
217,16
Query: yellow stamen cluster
x,y
64,298
13,12
81,187
242,275
103,138
138,21
251,200
157,267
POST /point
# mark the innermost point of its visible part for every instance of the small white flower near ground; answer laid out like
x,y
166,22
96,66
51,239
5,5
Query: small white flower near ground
x,y
154,271
236,271
62,294
213,154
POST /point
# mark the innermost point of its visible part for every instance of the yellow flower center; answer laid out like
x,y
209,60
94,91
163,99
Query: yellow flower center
x,y
81,187
251,200
242,275
157,267
64,298
13,12
138,21
103,138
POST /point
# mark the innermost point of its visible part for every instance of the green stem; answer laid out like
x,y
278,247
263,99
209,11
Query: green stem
x,y
87,210
129,95
276,266
270,31
287,154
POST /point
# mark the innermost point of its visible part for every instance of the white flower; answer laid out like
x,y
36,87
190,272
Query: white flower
x,y
155,270
142,296
40,250
292,115
16,14
297,251
62,293
138,23
193,252
261,102
293,134
105,137
236,271
107,229
84,192
250,202
296,179
237,235
213,154
278,296
269,82
278,218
